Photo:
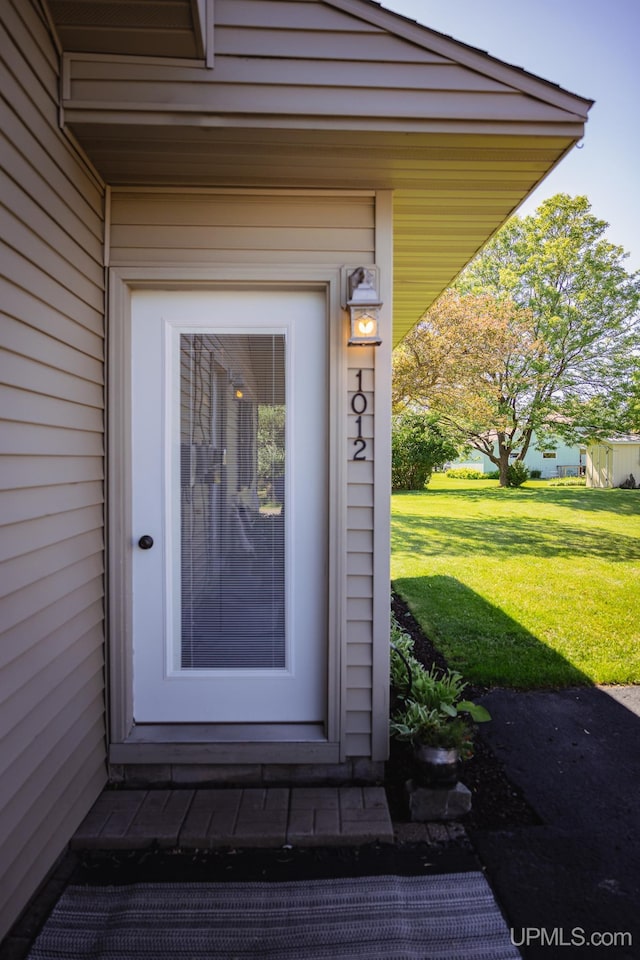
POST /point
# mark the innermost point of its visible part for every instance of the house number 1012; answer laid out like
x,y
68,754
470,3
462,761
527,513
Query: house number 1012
x,y
359,406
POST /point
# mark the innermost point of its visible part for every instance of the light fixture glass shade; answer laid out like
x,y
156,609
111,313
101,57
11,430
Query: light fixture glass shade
x,y
364,325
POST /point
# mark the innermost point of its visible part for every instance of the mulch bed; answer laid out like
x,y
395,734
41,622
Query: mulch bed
x,y
497,803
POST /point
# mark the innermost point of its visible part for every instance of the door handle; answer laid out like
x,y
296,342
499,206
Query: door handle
x,y
145,542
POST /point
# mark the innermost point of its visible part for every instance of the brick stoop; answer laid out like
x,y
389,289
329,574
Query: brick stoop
x,y
248,824
235,817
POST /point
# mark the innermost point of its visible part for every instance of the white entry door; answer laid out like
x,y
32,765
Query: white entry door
x,y
229,512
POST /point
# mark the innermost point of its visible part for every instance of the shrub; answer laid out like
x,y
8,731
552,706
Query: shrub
x,y
465,473
418,444
535,474
569,482
517,473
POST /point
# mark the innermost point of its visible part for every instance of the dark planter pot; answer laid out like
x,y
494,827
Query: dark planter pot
x,y
436,766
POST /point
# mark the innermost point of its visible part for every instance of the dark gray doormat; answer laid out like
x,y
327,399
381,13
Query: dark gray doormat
x,y
449,917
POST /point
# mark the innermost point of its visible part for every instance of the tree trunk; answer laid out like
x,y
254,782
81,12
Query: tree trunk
x,y
503,461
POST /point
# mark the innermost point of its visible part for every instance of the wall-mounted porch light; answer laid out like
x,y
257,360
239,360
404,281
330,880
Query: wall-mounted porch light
x,y
364,305
237,382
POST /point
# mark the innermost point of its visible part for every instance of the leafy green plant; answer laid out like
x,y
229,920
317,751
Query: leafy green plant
x,y
517,474
402,662
430,709
400,639
419,725
418,444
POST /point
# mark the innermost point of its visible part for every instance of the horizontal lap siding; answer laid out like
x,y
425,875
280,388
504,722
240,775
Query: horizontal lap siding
x,y
214,227
306,59
360,523
209,228
302,51
51,444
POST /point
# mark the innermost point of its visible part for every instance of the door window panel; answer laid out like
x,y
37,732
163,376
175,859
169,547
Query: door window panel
x,y
232,401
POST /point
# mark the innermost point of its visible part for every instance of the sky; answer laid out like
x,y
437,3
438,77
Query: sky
x,y
588,47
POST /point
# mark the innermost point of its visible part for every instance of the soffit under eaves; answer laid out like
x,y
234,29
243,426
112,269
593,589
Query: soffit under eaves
x,y
451,191
163,28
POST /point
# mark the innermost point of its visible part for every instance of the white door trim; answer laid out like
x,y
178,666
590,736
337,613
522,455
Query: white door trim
x,y
121,282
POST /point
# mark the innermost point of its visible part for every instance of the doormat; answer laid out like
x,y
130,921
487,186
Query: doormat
x,y
449,917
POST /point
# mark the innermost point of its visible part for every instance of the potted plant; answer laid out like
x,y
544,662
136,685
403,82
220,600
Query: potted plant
x,y
435,718
440,742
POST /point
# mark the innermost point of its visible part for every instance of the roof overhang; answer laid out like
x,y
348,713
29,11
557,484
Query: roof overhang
x,y
457,171
165,28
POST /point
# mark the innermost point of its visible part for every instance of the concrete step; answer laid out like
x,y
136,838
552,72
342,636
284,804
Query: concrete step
x,y
236,817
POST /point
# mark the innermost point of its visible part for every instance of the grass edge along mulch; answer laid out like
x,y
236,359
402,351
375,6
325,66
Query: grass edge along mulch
x,y
497,803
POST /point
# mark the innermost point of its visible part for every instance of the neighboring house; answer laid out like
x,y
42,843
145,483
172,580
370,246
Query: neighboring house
x,y
186,189
611,462
560,461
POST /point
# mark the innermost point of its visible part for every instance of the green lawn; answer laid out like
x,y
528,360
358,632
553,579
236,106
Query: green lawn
x,y
531,587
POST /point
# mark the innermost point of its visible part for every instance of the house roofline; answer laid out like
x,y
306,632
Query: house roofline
x,y
463,53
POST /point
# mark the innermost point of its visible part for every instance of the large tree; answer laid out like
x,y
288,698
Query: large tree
x,y
540,335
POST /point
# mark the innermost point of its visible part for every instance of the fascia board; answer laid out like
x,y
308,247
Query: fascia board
x,y
139,114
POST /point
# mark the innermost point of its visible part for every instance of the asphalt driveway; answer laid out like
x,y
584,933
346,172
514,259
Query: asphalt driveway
x,y
571,886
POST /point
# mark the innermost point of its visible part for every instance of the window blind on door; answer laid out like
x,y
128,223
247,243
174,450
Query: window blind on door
x,y
232,401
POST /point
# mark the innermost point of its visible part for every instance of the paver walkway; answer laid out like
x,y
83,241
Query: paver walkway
x,y
259,817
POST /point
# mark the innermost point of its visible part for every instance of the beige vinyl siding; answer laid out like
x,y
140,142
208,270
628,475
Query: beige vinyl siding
x,y
342,56
360,522
194,227
52,750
